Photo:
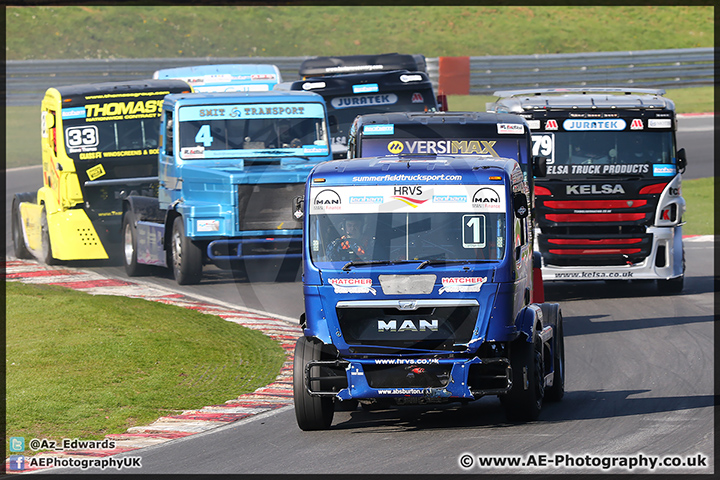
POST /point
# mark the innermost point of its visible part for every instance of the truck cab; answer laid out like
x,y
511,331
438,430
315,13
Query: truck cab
x,y
417,282
363,84
610,207
443,133
230,167
99,145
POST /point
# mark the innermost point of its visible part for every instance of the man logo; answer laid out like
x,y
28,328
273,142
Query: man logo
x,y
395,147
486,195
327,197
407,326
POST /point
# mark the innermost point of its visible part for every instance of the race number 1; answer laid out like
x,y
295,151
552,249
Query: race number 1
x,y
473,231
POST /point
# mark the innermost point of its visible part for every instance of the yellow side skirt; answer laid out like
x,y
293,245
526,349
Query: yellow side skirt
x,y
72,235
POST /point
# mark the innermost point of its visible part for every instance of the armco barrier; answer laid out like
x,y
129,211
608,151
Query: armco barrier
x,y
27,80
649,68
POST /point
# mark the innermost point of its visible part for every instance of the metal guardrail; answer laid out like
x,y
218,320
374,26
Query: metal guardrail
x,y
27,80
648,68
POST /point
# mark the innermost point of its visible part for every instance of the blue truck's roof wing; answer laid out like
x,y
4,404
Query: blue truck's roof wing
x,y
225,77
246,97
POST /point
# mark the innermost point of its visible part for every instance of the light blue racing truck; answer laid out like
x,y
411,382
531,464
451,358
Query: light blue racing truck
x,y
417,281
232,77
231,167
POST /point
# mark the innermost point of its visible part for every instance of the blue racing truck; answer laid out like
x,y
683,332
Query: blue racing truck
x,y
363,84
225,77
417,284
230,167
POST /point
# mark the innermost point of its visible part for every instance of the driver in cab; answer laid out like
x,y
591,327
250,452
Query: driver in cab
x,y
351,245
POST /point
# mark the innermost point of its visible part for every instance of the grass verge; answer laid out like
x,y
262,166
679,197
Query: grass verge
x,y
699,197
83,366
158,31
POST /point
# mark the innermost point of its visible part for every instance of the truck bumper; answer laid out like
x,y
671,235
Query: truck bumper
x,y
233,249
664,263
412,380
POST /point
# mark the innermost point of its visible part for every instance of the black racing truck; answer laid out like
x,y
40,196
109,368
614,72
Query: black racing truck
x,y
451,133
417,284
361,84
99,145
611,205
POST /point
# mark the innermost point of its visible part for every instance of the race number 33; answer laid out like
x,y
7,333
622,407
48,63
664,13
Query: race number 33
x,y
81,136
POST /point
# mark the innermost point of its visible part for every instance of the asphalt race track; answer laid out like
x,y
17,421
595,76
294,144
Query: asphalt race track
x,y
640,373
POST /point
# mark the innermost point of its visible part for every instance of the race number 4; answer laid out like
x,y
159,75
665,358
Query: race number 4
x,y
204,136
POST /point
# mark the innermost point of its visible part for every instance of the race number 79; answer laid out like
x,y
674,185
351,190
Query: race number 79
x,y
544,145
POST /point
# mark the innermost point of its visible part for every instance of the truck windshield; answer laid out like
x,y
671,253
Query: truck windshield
x,y
346,108
386,223
624,153
397,237
110,136
116,140
245,130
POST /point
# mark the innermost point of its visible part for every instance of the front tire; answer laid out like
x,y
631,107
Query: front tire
x,y
311,413
557,391
674,285
524,401
19,246
46,255
186,256
132,267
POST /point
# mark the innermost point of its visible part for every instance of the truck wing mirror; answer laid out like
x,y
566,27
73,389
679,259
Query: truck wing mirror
x,y
332,120
520,205
442,102
539,166
298,207
681,160
49,120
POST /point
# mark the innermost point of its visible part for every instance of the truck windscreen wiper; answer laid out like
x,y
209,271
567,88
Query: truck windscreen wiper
x,y
361,263
446,262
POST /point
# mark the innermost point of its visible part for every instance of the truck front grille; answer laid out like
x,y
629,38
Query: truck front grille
x,y
591,250
268,206
430,328
407,376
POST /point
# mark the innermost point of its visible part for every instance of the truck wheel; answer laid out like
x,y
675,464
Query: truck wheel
x,y
524,401
186,256
311,413
19,247
46,255
132,267
557,391
674,285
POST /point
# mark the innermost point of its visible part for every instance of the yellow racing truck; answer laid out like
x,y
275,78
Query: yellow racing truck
x,y
99,145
